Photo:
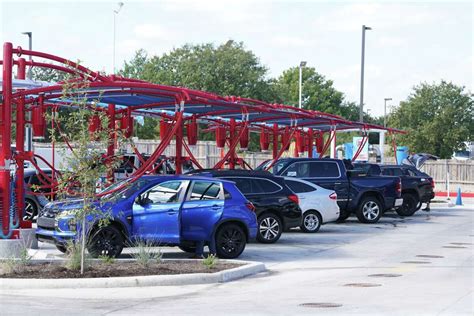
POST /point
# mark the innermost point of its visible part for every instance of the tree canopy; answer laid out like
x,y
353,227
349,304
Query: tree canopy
x,y
437,117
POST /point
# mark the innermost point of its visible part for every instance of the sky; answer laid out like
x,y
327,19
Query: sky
x,y
410,42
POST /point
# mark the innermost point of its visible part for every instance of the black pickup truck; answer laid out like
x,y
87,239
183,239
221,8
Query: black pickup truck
x,y
417,186
368,197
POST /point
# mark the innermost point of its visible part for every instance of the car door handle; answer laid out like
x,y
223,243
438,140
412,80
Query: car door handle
x,y
337,183
215,207
172,212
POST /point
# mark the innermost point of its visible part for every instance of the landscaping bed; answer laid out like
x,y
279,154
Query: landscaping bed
x,y
51,270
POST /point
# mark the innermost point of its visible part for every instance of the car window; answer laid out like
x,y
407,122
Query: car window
x,y
205,190
298,170
162,193
243,184
299,187
264,186
324,169
39,179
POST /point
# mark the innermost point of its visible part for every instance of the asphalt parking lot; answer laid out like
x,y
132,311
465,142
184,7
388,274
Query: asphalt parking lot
x,y
422,265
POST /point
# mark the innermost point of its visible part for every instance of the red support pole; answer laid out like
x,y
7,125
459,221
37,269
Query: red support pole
x,y
310,143
20,148
179,143
232,150
5,129
275,141
111,147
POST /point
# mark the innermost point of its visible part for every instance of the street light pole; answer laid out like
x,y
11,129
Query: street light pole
x,y
385,111
120,5
361,106
302,64
28,130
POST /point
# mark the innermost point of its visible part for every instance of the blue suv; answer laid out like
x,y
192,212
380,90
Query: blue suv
x,y
162,210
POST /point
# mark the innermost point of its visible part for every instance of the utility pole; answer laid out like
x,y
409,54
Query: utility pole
x,y
361,106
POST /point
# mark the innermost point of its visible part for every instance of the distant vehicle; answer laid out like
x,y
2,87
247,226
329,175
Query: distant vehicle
x,y
417,186
276,205
35,200
368,197
163,210
319,205
465,154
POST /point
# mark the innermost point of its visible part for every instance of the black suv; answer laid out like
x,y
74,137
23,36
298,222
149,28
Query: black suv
x,y
276,206
417,186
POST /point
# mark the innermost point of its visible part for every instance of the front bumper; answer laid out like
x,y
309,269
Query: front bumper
x,y
53,236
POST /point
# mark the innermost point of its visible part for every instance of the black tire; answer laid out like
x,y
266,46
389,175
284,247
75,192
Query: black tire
x,y
190,249
270,228
62,248
311,222
31,210
409,206
230,241
369,211
106,241
418,207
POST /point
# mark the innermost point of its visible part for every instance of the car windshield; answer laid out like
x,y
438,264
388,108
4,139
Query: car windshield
x,y
280,164
125,189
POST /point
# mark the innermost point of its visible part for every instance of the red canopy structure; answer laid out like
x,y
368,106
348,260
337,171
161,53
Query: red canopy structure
x,y
232,118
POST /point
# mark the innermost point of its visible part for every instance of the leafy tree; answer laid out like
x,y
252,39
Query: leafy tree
x,y
134,68
228,69
47,74
437,117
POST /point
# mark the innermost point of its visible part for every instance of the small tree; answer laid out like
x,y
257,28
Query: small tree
x,y
86,163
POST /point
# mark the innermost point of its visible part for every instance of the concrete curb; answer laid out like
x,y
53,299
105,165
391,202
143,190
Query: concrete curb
x,y
249,268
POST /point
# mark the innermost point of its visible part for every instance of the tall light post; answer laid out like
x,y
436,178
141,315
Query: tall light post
x,y
385,111
28,131
361,106
302,65
120,5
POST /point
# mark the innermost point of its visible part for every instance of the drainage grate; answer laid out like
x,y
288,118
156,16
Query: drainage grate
x,y
416,262
362,284
454,247
385,275
320,305
461,243
429,256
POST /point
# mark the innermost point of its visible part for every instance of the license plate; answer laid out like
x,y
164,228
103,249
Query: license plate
x,y
398,202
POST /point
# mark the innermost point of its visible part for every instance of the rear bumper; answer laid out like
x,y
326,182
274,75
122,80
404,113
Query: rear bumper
x,y
290,222
393,203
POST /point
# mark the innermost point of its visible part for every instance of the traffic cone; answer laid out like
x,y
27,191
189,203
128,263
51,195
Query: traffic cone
x,y
458,198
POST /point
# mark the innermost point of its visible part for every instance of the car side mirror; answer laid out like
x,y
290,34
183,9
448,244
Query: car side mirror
x,y
138,200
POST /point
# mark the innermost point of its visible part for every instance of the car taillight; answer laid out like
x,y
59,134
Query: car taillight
x,y
432,183
294,198
250,206
398,187
333,196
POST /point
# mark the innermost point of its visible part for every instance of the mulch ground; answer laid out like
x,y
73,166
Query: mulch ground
x,y
115,269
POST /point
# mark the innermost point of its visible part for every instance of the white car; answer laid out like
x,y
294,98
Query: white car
x,y
319,205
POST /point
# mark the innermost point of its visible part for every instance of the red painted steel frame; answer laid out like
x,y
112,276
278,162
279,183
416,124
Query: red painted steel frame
x,y
221,112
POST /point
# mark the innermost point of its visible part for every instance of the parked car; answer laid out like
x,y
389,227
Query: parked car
x,y
417,186
276,205
368,197
163,210
319,205
36,199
